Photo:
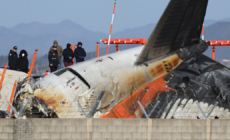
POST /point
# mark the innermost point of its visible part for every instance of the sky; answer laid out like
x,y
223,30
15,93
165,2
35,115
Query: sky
x,y
96,15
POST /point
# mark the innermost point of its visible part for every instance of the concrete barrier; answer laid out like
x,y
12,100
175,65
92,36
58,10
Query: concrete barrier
x,y
114,129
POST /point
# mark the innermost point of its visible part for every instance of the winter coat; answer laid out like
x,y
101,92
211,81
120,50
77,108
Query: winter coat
x,y
12,60
23,62
68,55
59,50
53,58
79,54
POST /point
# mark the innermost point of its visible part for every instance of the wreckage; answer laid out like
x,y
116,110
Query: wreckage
x,y
169,77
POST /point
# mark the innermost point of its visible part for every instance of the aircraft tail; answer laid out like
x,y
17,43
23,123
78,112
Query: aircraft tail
x,y
179,26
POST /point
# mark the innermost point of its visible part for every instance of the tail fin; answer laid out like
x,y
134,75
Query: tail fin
x,y
179,26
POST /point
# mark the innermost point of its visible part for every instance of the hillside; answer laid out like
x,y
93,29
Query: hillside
x,y
34,35
38,35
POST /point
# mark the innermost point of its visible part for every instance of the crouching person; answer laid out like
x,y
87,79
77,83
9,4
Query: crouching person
x,y
68,55
53,59
23,62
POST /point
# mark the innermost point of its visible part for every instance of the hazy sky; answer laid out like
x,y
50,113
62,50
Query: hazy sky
x,y
95,14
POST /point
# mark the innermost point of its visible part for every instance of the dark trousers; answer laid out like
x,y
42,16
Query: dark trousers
x,y
53,68
68,64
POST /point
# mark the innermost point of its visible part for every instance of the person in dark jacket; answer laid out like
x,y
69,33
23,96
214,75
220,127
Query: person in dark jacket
x,y
23,62
59,50
53,59
13,58
68,55
79,53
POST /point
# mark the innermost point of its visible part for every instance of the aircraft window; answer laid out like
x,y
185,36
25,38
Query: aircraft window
x,y
58,73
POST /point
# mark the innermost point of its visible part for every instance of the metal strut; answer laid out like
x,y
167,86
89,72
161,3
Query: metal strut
x,y
151,112
209,113
94,108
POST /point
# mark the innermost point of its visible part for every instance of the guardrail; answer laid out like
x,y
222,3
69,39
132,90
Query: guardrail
x,y
121,41
143,41
214,43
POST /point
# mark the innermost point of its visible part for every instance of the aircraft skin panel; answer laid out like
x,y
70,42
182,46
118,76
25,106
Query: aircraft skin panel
x,y
119,80
179,26
175,106
198,79
129,108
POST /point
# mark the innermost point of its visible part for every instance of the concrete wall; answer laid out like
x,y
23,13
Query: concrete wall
x,y
114,129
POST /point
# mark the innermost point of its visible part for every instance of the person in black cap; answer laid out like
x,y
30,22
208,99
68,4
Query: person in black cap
x,y
68,55
13,58
79,53
23,63
53,59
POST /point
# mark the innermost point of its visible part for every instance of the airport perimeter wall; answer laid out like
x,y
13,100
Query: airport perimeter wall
x,y
114,129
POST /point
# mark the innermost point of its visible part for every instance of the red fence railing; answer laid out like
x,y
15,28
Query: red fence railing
x,y
143,41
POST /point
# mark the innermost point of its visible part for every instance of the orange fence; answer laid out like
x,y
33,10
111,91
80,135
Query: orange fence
x,y
125,41
3,75
32,65
46,73
12,94
215,43
73,50
143,41
121,41
98,49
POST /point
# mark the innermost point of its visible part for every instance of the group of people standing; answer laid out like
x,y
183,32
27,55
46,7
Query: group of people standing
x,y
56,52
20,63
